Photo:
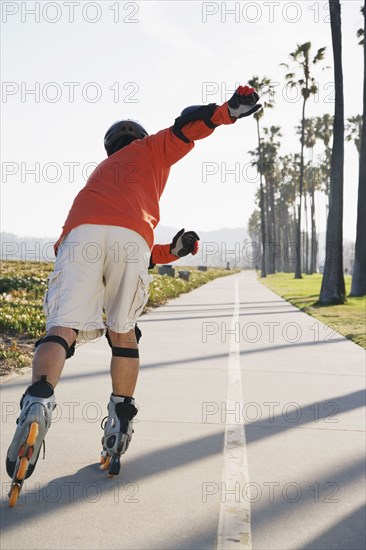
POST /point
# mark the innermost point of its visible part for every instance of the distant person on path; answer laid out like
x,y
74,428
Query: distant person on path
x,y
103,256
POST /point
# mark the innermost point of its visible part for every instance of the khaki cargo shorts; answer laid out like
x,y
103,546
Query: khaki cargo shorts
x,y
98,267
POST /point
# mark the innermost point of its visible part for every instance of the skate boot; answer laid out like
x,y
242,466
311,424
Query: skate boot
x,y
117,432
36,406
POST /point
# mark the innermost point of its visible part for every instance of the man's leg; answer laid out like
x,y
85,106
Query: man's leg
x,y
37,405
49,358
126,282
124,370
121,407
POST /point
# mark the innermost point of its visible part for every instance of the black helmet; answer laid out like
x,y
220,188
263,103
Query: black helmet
x,y
123,133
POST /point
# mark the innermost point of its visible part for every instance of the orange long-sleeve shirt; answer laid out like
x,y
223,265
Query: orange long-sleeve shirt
x,y
125,189
160,254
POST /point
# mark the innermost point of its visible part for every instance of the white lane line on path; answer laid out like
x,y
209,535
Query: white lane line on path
x,y
234,522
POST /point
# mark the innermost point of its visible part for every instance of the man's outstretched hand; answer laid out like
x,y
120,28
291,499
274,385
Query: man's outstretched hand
x,y
244,102
184,242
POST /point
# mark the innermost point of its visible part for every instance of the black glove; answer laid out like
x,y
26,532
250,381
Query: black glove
x,y
243,102
184,243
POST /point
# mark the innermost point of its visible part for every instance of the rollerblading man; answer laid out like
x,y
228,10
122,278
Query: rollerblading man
x,y
115,214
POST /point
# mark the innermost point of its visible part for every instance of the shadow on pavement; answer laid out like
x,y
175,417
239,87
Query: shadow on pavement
x,y
219,315
210,307
232,304
201,359
324,415
329,491
349,533
67,490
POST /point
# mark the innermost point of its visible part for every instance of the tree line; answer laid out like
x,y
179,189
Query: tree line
x,y
285,221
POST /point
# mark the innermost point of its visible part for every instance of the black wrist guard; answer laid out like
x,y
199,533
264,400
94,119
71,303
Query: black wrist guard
x,y
203,112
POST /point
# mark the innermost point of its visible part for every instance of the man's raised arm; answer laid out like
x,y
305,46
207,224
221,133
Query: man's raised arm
x,y
199,121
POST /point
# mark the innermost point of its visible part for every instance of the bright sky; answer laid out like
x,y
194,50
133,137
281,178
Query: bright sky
x,y
91,63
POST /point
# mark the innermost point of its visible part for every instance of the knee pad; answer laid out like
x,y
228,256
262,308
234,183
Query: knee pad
x,y
125,352
138,335
132,353
70,350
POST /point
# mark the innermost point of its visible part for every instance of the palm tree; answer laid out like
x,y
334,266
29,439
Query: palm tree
x,y
324,132
354,131
333,287
255,232
308,86
359,270
284,170
270,149
361,32
285,200
318,175
263,87
309,143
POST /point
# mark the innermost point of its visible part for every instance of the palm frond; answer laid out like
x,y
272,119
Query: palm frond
x,y
320,55
313,89
361,34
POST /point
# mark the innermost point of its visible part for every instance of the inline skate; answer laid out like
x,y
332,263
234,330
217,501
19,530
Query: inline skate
x,y
117,432
36,406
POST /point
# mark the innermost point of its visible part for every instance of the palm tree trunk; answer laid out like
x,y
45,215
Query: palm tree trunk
x,y
333,287
359,270
261,206
298,228
328,155
281,248
293,237
287,240
268,228
281,224
273,225
314,244
306,263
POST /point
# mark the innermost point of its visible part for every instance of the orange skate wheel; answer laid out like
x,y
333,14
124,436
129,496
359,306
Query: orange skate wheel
x,y
14,495
32,434
22,470
105,464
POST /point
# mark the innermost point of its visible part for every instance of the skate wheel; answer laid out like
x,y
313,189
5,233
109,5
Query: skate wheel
x,y
105,464
32,434
22,470
14,495
21,451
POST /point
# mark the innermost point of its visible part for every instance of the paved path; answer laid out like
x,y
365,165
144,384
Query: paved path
x,y
296,385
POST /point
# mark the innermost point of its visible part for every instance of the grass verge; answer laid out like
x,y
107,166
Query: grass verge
x,y
348,319
22,286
